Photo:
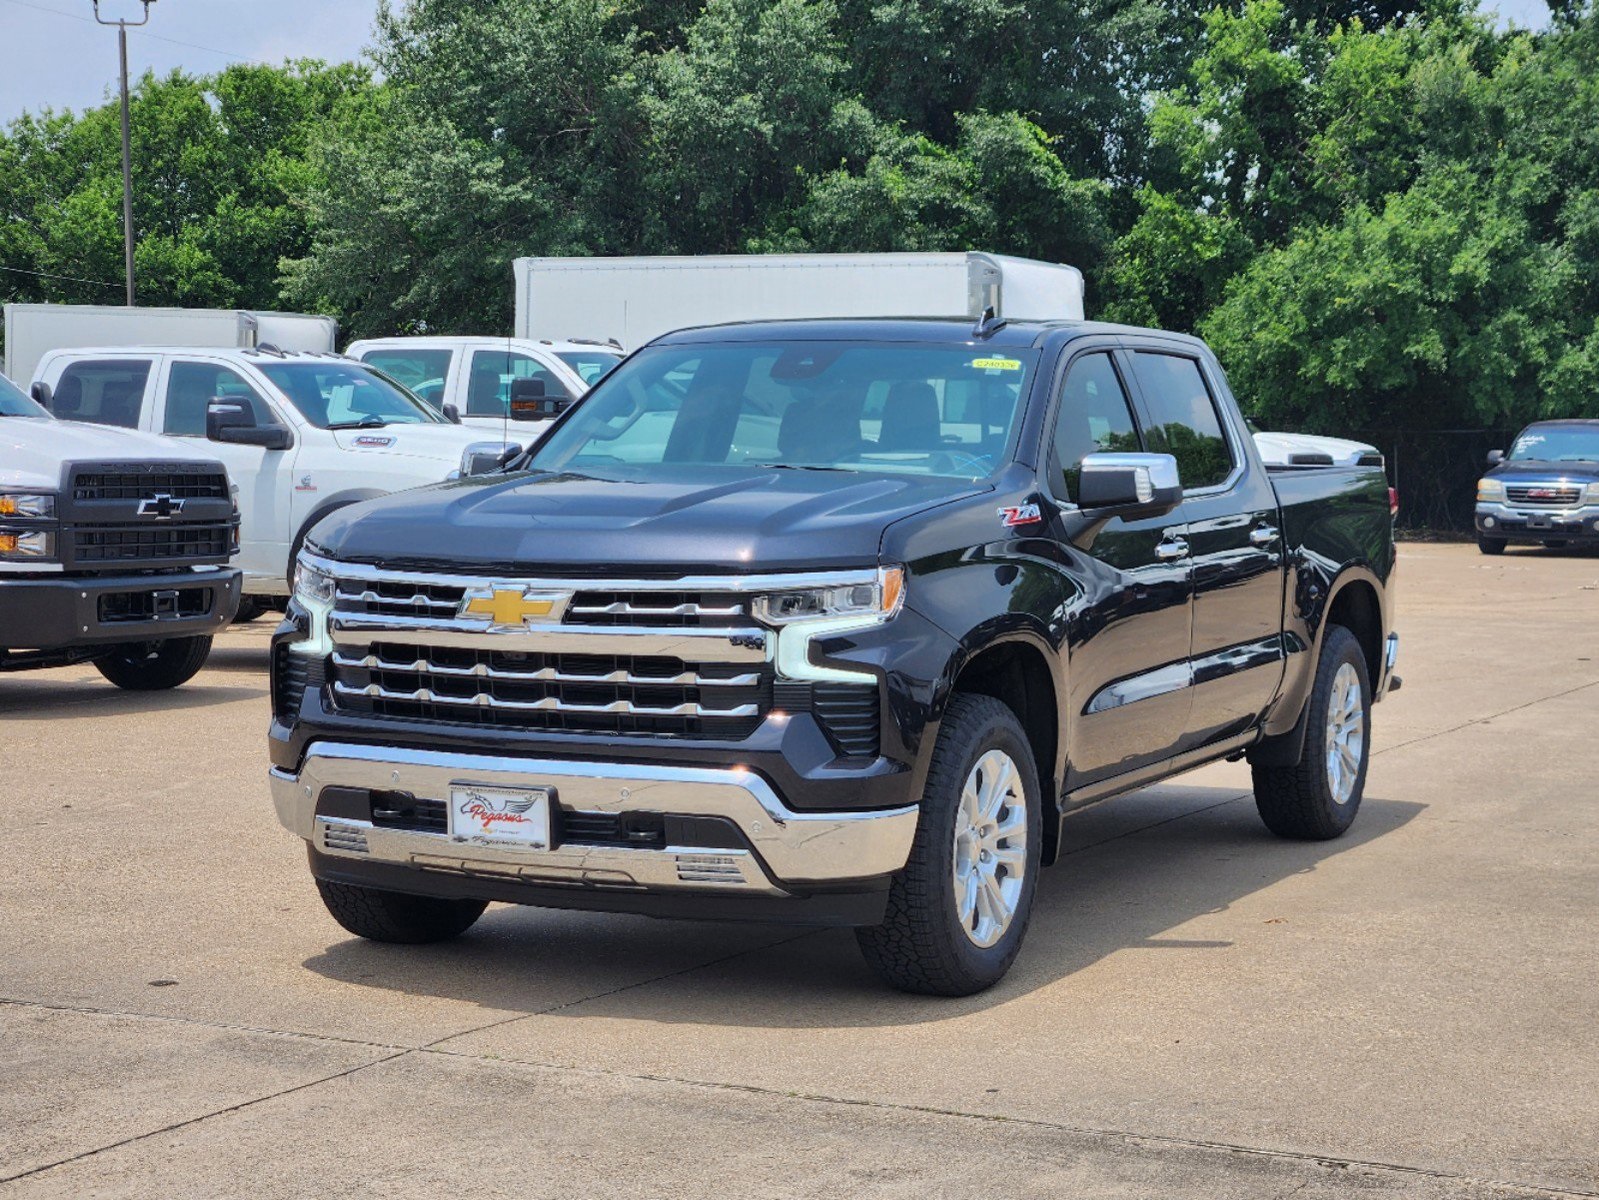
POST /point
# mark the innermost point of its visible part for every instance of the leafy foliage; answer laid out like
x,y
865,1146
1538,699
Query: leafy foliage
x,y
1383,213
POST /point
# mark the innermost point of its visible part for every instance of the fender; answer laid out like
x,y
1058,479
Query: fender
x,y
991,638
336,501
1304,632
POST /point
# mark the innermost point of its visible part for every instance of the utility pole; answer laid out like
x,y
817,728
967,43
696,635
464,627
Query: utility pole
x,y
127,163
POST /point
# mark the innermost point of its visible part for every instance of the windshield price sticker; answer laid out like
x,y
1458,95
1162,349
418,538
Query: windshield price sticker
x,y
997,364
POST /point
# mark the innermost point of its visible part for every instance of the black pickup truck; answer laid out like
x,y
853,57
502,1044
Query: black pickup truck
x,y
831,622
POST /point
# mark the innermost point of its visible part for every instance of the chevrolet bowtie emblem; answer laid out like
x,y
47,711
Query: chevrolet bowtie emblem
x,y
510,607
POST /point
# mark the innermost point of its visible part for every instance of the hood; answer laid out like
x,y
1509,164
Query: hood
x,y
444,443
1534,469
32,449
690,520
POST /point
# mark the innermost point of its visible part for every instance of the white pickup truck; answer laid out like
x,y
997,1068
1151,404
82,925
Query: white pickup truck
x,y
477,376
301,434
114,549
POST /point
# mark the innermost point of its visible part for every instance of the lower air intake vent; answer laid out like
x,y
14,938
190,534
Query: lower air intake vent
x,y
848,713
344,839
708,868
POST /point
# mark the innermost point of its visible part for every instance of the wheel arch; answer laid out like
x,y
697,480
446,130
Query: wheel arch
x,y
326,508
1019,671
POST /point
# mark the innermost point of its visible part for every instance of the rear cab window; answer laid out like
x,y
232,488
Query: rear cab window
x,y
102,391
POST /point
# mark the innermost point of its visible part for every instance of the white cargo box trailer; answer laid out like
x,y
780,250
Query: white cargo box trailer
x,y
33,330
636,299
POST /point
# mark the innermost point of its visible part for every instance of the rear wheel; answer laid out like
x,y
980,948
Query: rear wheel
x,y
1317,797
958,912
251,608
1490,545
396,916
154,666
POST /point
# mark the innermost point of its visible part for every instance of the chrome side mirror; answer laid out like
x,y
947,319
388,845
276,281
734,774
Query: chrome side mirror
x,y
1129,485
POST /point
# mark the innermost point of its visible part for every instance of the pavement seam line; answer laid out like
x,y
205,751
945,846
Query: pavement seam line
x,y
1515,708
195,1120
400,1051
1328,1161
196,1022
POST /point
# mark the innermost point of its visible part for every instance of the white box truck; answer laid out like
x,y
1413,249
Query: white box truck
x,y
33,330
636,299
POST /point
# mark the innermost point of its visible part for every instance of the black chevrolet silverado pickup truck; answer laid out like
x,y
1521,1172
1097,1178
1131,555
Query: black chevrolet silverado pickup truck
x,y
827,622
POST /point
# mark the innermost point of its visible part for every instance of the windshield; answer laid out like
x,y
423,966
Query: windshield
x,y
1558,443
842,406
345,395
13,403
591,365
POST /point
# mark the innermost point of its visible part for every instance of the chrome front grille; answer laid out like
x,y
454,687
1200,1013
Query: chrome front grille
x,y
580,693
1544,495
657,609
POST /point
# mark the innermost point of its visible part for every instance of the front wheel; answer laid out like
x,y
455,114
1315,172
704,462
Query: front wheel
x,y
397,916
154,666
958,911
1491,545
1317,797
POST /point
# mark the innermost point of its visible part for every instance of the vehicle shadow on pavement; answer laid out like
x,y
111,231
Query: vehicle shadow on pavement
x,y
1134,870
240,658
97,699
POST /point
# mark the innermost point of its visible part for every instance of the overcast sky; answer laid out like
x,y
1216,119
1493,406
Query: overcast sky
x,y
53,55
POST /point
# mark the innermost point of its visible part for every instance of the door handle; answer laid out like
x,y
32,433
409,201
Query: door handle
x,y
1172,549
1263,535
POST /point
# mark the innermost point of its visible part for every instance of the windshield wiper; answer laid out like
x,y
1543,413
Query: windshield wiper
x,y
801,467
366,422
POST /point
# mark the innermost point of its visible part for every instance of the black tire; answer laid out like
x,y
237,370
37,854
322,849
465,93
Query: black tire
x,y
1298,801
1491,545
154,666
251,608
397,917
921,946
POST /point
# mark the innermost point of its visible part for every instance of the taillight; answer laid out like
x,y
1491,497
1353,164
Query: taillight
x,y
1393,502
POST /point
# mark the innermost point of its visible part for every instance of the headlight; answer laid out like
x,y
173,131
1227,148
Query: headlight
x,y
36,544
312,584
878,598
1590,494
27,504
1490,491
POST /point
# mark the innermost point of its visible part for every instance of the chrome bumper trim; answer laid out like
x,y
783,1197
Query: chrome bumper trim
x,y
1520,512
796,848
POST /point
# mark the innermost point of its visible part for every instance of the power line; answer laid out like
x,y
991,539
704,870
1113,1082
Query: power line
x,y
53,275
156,36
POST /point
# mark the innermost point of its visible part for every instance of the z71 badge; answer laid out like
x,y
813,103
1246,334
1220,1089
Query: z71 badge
x,y
1020,514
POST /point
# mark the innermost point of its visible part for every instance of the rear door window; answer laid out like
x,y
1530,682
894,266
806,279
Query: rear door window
x,y
102,391
191,386
1183,419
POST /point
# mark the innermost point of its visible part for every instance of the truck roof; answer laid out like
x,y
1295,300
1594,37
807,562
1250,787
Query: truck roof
x,y
905,329
254,354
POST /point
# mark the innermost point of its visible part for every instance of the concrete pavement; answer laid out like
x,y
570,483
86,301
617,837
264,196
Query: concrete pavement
x,y
1200,1009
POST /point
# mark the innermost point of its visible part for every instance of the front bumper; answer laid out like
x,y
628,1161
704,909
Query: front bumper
x,y
771,851
54,612
1536,525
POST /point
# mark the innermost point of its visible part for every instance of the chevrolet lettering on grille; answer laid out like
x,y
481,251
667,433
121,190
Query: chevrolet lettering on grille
x,y
506,606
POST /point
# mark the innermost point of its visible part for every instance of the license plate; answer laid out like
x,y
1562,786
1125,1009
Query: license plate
x,y
491,816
